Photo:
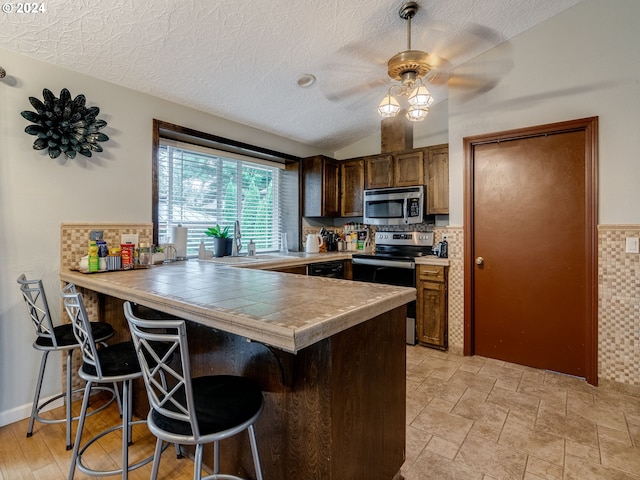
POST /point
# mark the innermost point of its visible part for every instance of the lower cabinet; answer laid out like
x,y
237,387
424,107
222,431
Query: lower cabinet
x,y
297,269
431,306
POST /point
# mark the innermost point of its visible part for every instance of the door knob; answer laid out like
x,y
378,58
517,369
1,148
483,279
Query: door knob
x,y
479,261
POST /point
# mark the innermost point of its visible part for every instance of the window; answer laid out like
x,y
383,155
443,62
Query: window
x,y
199,187
200,180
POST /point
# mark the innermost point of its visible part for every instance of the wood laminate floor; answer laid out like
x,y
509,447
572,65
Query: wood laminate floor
x,y
468,418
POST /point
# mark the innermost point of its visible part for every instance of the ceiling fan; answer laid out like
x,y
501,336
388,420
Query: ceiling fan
x,y
410,67
410,71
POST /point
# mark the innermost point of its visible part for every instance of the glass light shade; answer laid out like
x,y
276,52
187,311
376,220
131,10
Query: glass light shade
x,y
420,97
417,114
389,107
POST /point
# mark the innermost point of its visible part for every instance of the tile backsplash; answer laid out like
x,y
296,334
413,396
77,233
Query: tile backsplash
x,y
74,241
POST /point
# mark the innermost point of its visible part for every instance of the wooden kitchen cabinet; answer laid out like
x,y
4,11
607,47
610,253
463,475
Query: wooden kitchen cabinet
x,y
408,169
351,188
437,180
295,269
379,171
431,306
320,187
398,170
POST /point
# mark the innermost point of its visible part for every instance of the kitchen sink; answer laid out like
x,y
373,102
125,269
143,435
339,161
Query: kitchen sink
x,y
261,257
231,260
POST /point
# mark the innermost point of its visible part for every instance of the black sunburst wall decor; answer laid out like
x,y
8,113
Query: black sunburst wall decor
x,y
65,126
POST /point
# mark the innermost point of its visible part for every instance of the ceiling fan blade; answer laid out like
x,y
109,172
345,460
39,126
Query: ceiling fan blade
x,y
356,93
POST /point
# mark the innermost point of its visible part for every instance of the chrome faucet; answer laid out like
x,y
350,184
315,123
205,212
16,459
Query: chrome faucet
x,y
237,243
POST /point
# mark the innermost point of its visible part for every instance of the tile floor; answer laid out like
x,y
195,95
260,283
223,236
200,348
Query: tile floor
x,y
473,418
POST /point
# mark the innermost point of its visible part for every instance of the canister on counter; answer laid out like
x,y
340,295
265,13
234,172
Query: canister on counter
x,y
145,254
114,261
103,251
126,253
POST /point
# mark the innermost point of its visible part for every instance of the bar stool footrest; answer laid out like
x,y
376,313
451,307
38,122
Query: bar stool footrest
x,y
40,419
102,473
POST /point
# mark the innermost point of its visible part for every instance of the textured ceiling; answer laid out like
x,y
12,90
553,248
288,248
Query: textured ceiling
x,y
241,59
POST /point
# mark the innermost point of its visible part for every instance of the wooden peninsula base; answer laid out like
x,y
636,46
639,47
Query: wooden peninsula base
x,y
334,411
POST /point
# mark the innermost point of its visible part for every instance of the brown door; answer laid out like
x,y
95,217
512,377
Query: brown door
x,y
531,251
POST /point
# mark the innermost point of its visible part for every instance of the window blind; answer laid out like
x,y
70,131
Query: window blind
x,y
199,188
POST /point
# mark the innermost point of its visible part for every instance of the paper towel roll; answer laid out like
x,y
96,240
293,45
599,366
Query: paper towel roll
x,y
179,239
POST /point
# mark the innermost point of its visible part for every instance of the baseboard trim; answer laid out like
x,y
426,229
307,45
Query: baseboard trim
x,y
21,412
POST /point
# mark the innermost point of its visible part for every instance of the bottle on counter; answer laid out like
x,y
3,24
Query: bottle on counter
x,y
444,249
202,252
251,248
94,260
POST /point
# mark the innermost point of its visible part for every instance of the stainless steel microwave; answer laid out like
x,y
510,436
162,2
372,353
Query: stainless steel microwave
x,y
394,206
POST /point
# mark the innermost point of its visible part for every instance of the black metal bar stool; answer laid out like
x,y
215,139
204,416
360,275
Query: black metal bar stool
x,y
190,411
116,363
50,338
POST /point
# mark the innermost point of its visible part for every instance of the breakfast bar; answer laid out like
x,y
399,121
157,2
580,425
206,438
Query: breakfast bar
x,y
329,355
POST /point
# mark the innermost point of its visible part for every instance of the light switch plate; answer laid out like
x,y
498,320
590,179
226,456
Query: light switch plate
x,y
632,245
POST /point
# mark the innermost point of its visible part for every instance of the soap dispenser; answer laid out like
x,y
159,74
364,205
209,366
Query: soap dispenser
x,y
202,252
251,248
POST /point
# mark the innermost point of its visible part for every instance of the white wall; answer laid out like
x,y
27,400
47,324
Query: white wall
x,y
583,62
37,194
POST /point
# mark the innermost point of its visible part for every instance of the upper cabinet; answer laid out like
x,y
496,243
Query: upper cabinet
x,y
428,166
437,180
408,169
332,188
320,187
379,171
351,188
398,170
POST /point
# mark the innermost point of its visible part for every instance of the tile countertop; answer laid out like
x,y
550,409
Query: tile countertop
x,y
276,260
286,311
432,260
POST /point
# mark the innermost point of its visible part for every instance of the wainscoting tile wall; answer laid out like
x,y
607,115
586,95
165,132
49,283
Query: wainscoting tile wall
x,y
618,303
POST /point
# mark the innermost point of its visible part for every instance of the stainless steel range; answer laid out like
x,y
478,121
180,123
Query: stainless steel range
x,y
393,263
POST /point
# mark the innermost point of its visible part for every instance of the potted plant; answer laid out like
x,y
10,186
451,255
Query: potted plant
x,y
222,243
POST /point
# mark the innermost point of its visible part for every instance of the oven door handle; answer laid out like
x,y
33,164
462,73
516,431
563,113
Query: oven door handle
x,y
384,263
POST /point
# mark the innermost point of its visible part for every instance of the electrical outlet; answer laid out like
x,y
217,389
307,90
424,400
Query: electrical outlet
x,y
95,235
632,245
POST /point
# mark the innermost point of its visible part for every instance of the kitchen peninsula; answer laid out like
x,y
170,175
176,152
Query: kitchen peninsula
x,y
329,355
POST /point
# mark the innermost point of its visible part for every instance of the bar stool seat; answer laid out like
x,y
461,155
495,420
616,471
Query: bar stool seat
x,y
186,410
116,363
59,338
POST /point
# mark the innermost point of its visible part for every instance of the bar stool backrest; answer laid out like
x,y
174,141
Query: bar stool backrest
x,y
38,308
163,353
74,306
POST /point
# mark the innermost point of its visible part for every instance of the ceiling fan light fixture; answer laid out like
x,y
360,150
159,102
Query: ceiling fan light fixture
x,y
420,97
389,106
409,67
417,114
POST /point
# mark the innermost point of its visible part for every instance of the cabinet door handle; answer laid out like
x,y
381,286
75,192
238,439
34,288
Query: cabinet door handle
x,y
479,261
